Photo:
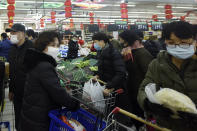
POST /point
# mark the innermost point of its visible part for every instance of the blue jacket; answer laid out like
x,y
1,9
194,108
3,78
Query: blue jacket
x,y
5,46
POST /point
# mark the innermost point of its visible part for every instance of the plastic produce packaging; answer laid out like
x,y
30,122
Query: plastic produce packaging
x,y
94,92
170,98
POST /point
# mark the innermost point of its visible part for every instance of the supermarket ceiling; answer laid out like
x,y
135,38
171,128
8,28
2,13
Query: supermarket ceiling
x,y
107,10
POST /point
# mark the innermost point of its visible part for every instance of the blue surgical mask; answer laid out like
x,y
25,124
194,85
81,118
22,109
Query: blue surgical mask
x,y
97,46
181,53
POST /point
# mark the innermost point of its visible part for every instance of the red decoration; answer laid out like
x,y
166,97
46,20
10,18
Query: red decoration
x,y
81,26
71,20
124,11
123,5
68,3
168,7
169,16
68,15
42,25
11,14
10,7
10,21
11,2
53,13
68,9
53,17
182,18
154,17
91,14
53,21
168,11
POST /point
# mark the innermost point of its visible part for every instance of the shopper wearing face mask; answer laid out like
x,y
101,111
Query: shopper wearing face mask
x,y
136,66
17,69
111,69
175,68
42,91
73,48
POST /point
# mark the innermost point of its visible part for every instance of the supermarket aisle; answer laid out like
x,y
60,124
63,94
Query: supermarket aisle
x,y
8,114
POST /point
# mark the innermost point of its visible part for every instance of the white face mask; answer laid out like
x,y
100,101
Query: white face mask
x,y
181,53
14,39
52,51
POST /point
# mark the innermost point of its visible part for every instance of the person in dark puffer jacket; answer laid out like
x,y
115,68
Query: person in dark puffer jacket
x,y
111,69
42,90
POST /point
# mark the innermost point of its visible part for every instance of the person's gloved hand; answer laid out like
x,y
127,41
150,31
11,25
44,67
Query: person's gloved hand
x,y
190,119
157,109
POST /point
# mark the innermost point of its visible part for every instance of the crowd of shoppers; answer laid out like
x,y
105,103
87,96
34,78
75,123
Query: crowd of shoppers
x,y
129,64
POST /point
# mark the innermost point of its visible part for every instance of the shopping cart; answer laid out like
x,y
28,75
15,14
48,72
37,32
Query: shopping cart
x,y
114,125
95,106
90,122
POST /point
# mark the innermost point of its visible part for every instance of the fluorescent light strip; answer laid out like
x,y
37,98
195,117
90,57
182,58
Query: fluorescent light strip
x,y
178,7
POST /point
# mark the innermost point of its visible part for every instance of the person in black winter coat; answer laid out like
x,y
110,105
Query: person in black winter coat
x,y
42,90
136,66
73,48
17,70
111,69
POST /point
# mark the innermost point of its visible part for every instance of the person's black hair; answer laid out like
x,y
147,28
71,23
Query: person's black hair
x,y
181,29
31,32
100,36
140,34
129,36
44,40
4,35
110,37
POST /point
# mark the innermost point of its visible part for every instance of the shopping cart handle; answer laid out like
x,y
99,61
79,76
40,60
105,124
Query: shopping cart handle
x,y
116,110
119,91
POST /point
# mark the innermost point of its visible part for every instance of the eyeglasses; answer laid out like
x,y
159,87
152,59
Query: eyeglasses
x,y
184,46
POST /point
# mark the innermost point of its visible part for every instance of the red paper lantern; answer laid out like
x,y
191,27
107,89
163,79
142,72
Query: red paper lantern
x,y
81,26
123,5
53,17
41,20
168,7
53,21
154,17
53,13
168,11
71,20
91,14
10,21
68,3
182,18
42,25
68,9
11,14
169,16
10,7
11,2
124,11
124,16
68,14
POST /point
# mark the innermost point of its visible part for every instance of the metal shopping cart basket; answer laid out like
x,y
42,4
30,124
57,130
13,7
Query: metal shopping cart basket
x,y
113,125
90,122
95,107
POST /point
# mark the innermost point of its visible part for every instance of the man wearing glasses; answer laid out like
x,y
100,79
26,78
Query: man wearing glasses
x,y
175,68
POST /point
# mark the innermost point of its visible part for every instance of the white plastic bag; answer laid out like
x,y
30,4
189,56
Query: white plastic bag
x,y
150,91
94,92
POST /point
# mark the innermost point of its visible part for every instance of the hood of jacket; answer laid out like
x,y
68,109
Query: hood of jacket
x,y
34,57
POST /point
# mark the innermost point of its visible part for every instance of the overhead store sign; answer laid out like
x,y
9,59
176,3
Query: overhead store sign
x,y
141,26
119,22
156,26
